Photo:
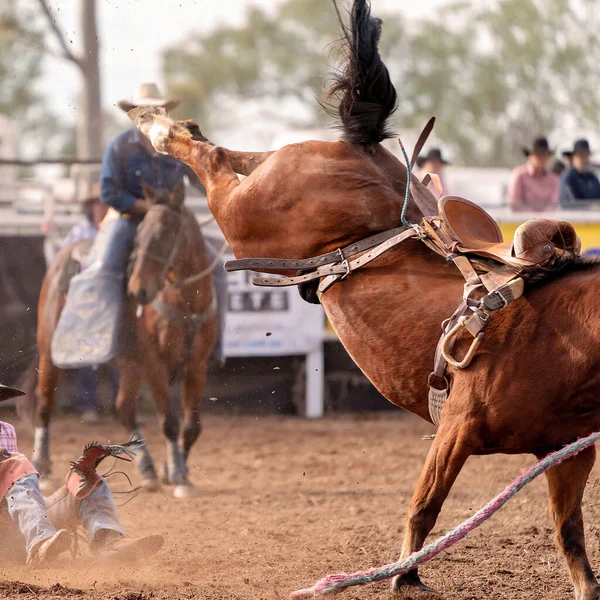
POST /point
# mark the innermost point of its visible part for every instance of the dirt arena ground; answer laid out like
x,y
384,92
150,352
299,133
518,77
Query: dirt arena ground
x,y
285,501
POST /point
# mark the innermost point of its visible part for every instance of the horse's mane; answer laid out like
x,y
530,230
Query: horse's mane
x,y
563,267
362,95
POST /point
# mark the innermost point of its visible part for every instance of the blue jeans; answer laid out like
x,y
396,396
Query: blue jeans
x,y
87,387
116,240
38,522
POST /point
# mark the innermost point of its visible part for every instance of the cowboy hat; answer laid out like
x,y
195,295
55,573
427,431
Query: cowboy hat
x,y
433,154
8,392
540,144
148,94
581,146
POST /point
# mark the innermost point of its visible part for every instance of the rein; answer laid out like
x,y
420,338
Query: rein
x,y
168,262
181,283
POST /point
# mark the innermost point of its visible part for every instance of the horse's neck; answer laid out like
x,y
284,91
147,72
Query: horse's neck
x,y
191,259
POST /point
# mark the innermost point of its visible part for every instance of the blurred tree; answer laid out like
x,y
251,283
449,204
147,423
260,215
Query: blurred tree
x,y
23,46
280,57
21,56
89,126
498,74
494,74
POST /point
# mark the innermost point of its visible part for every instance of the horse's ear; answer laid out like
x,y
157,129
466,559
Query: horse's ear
x,y
148,192
177,196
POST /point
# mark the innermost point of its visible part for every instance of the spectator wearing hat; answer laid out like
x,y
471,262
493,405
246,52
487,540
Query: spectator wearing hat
x,y
579,182
85,229
533,187
93,211
434,163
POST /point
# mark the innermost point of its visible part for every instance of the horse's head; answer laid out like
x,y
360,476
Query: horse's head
x,y
157,243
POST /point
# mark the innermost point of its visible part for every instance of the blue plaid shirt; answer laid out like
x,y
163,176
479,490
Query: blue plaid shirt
x,y
127,164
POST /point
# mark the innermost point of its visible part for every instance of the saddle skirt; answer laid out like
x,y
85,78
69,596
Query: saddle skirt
x,y
88,331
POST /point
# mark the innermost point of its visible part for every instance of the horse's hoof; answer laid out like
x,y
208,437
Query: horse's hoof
x,y
151,484
593,593
164,475
185,490
412,588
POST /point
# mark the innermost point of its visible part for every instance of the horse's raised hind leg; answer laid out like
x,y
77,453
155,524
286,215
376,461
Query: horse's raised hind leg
x,y
130,383
243,163
211,163
48,378
447,455
566,484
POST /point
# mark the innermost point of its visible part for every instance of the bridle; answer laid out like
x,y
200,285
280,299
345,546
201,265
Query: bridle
x,y
167,262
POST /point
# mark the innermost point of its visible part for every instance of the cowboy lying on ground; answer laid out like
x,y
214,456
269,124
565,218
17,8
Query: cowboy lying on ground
x,y
130,161
45,524
533,187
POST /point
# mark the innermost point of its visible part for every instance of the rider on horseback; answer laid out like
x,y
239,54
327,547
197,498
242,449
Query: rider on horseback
x,y
130,161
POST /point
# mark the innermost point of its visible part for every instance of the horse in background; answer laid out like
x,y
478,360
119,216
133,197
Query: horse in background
x,y
170,323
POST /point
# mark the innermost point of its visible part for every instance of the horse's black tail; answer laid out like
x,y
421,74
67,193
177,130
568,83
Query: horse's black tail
x,y
363,89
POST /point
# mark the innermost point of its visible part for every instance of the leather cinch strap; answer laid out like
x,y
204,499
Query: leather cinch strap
x,y
259,264
342,268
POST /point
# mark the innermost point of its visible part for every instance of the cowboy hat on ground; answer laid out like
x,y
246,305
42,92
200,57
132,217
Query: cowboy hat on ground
x,y
6,393
148,94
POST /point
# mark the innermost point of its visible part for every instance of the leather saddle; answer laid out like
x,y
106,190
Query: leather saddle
x,y
536,242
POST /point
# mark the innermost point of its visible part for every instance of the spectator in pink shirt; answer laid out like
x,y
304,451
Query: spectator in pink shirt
x,y
533,187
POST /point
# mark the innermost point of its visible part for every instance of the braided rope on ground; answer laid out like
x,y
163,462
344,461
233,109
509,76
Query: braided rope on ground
x,y
336,583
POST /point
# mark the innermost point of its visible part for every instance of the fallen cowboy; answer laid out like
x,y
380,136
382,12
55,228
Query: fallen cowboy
x,y
45,528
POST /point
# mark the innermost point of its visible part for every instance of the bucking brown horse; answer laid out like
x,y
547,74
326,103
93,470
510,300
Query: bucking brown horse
x,y
173,336
534,384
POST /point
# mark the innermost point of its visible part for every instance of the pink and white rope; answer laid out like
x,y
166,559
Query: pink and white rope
x,y
336,583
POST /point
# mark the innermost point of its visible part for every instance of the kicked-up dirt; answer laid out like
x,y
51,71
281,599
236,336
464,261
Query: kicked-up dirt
x,y
284,501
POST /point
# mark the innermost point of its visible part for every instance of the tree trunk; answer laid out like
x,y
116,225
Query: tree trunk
x,y
89,138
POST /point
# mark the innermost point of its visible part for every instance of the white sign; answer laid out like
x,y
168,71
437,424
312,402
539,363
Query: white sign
x,y
266,321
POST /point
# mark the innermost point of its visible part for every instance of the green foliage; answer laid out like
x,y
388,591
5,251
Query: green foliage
x,y
20,60
282,56
495,74
22,52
